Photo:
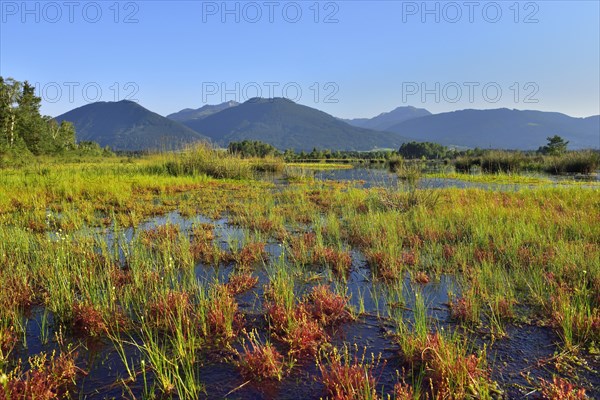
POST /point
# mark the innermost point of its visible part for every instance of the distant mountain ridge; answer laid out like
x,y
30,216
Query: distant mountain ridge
x,y
502,128
285,124
202,112
384,121
126,125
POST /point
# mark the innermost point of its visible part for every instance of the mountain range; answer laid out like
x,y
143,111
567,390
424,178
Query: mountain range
x,y
502,129
126,125
188,114
287,125
386,120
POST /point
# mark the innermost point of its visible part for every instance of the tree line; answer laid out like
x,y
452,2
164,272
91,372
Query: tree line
x,y
256,148
25,131
23,128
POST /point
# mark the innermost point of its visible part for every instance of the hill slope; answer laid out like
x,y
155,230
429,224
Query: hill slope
x,y
385,120
125,125
202,112
502,128
285,124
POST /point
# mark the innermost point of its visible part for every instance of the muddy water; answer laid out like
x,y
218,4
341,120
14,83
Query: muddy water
x,y
527,351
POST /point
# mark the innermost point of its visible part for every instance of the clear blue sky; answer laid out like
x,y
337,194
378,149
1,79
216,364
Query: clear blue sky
x,y
365,57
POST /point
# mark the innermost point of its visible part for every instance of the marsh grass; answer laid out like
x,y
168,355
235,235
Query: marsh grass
x,y
170,290
202,159
586,162
506,162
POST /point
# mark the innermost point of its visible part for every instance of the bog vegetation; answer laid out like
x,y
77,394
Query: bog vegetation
x,y
167,268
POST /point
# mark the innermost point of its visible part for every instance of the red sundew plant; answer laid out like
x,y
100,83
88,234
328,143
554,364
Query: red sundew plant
x,y
448,252
483,255
37,226
162,233
203,232
409,258
561,389
165,312
251,254
264,225
525,256
327,307
349,377
421,277
504,307
360,240
46,379
278,316
208,253
298,329
16,293
120,277
461,309
431,235
340,261
87,320
304,335
404,391
260,361
241,282
309,239
362,207
388,267
319,199
415,241
223,318
302,327
8,340
301,246
451,371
